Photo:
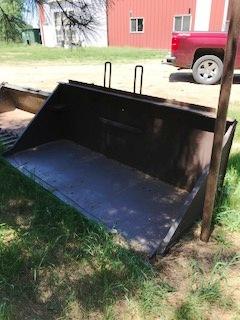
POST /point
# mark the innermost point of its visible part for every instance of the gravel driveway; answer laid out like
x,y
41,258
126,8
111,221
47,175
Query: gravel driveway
x,y
159,79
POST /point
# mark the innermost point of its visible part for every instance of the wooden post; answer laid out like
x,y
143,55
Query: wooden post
x,y
220,126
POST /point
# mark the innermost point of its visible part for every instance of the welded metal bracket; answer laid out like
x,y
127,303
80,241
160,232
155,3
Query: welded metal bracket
x,y
140,67
107,70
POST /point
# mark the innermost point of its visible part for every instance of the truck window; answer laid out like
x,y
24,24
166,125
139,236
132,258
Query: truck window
x,y
182,23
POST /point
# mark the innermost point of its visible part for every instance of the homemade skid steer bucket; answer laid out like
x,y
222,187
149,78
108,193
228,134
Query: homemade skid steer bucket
x,y
18,106
135,163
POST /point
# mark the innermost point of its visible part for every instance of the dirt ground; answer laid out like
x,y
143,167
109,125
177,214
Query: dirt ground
x,y
159,79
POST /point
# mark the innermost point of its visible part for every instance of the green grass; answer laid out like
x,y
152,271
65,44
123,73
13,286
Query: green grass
x,y
55,264
228,207
19,53
206,289
45,241
5,312
190,309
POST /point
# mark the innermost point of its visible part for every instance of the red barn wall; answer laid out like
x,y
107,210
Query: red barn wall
x,y
42,20
216,20
158,21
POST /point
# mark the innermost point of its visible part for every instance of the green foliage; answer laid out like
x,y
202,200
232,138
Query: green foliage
x,y
210,291
5,312
18,53
11,22
207,288
153,297
190,309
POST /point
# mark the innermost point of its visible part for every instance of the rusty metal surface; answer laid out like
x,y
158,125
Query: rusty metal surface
x,y
26,99
17,108
15,121
101,141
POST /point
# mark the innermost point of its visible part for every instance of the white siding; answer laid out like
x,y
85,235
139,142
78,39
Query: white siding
x,y
225,14
203,14
96,38
48,29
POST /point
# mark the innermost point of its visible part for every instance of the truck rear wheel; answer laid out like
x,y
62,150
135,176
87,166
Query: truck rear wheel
x,y
207,69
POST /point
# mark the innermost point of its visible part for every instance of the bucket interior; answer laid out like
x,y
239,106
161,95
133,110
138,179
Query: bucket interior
x,y
121,159
18,107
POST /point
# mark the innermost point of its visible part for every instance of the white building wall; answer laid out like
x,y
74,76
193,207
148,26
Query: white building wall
x,y
203,15
48,28
225,14
97,38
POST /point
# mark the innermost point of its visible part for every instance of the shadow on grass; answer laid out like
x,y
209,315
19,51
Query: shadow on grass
x,y
50,253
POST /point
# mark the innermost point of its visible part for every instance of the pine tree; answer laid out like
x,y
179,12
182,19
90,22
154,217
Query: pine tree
x,y
11,22
84,18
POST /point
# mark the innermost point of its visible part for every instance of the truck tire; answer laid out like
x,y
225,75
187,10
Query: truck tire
x,y
207,69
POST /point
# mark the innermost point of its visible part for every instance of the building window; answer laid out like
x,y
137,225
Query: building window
x,y
182,23
136,25
58,18
66,33
60,37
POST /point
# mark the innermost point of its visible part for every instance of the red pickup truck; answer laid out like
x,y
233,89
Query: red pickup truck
x,y
203,52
